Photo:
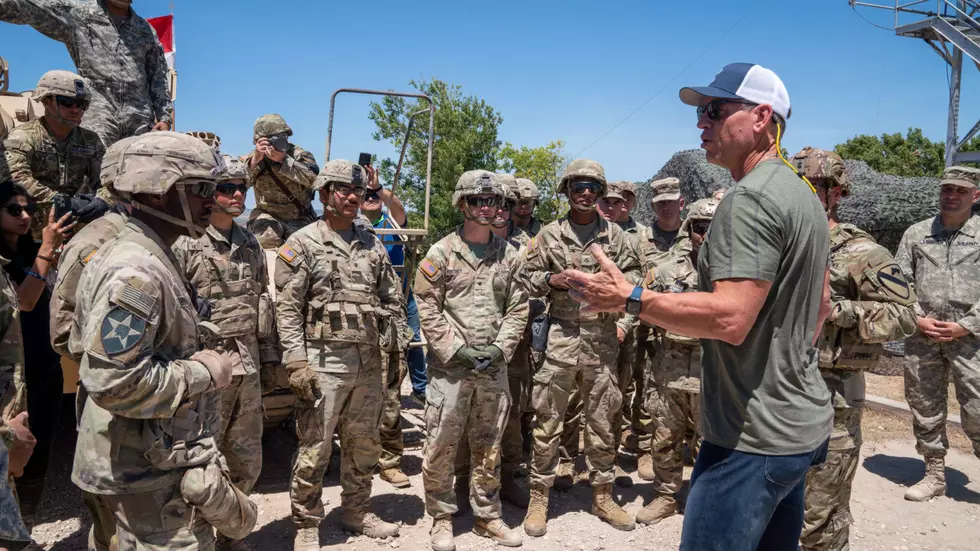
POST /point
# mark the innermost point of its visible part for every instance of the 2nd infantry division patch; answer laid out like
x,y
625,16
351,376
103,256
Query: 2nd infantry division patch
x,y
121,331
892,279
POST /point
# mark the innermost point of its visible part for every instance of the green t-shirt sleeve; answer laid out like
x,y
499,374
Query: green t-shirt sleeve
x,y
746,238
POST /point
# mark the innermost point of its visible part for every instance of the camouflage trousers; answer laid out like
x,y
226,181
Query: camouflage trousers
x,y
470,409
519,382
240,439
12,528
553,385
114,119
272,232
827,513
929,366
158,521
352,404
392,445
103,527
677,410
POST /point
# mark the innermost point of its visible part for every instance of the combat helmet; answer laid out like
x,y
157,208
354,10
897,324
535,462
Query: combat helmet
x,y
819,163
235,169
702,209
583,168
341,171
112,160
476,182
155,162
509,184
61,83
527,190
270,125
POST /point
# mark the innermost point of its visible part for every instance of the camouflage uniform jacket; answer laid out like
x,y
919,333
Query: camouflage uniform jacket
x,y
234,279
297,172
465,301
532,229
333,297
654,245
872,302
122,64
77,253
944,273
45,167
675,273
148,416
13,397
556,249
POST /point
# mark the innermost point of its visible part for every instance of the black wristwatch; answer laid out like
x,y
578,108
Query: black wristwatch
x,y
633,304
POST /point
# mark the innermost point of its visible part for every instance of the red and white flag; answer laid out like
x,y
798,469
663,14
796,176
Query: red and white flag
x,y
164,26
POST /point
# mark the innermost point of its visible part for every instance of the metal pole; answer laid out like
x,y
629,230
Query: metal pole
x,y
428,162
955,81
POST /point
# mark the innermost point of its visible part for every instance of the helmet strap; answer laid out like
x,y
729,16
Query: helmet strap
x,y
194,230
468,214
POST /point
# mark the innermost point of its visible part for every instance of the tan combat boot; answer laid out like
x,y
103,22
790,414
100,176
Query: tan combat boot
x,y
536,520
605,508
368,524
497,531
307,539
660,508
441,535
395,477
933,484
566,472
511,491
644,467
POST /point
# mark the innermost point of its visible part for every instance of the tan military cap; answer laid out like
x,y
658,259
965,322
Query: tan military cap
x,y
668,189
962,176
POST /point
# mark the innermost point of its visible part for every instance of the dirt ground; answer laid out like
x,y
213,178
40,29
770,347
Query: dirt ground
x,y
883,519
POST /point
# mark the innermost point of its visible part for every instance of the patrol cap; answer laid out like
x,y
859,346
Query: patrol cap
x,y
477,182
668,189
527,190
580,169
341,171
61,83
618,190
270,125
112,160
822,164
962,176
746,81
153,162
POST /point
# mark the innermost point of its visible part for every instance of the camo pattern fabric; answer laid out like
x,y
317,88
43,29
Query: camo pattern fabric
x,y
276,216
12,528
330,319
392,442
13,386
943,270
35,160
122,63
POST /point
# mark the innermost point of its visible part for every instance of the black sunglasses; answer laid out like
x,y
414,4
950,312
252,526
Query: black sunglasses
x,y
78,103
713,108
579,187
230,189
13,209
700,227
479,202
372,194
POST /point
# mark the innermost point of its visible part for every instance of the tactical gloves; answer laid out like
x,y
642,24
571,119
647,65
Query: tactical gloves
x,y
218,365
303,381
88,207
468,357
481,359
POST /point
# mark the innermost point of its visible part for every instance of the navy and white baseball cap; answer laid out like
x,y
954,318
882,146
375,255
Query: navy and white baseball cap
x,y
746,81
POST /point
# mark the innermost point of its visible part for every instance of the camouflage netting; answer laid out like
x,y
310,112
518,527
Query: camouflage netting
x,y
882,204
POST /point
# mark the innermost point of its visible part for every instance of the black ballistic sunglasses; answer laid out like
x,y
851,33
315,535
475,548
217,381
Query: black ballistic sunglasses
x,y
78,103
713,108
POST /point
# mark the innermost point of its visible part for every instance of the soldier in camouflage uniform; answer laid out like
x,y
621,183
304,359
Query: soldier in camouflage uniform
x,y
282,175
65,335
336,291
673,373
523,214
473,311
872,304
582,347
118,54
939,256
227,267
146,437
53,154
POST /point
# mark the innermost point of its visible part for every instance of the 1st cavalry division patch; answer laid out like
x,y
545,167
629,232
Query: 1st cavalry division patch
x,y
892,279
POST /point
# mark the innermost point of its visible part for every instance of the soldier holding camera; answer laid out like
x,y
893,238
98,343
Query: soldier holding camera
x,y
282,174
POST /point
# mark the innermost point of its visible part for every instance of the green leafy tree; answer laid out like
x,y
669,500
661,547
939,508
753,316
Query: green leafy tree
x,y
542,165
910,155
465,139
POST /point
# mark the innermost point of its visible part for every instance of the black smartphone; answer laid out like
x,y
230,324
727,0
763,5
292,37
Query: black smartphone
x,y
62,205
364,159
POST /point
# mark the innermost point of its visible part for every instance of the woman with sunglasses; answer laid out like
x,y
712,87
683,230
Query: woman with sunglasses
x,y
30,267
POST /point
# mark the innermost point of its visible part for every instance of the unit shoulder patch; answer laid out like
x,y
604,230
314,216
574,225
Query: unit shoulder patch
x,y
892,279
121,330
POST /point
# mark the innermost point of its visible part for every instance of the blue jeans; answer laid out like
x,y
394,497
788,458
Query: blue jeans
x,y
416,356
745,502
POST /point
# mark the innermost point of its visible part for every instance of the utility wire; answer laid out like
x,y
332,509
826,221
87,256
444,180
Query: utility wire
x,y
866,20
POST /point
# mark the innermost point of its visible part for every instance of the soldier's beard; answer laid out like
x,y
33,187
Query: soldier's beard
x,y
193,229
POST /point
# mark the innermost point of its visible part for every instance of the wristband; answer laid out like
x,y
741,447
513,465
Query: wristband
x,y
36,275
47,258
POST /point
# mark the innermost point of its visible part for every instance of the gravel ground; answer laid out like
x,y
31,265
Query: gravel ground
x,y
883,520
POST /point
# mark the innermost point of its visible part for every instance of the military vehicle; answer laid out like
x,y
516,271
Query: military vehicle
x,y
15,108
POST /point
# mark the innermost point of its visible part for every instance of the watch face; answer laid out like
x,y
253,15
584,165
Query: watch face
x,y
633,307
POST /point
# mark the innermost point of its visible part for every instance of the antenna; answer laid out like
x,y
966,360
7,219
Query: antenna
x,y
951,30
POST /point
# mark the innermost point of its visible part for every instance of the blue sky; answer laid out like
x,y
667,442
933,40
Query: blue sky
x,y
555,70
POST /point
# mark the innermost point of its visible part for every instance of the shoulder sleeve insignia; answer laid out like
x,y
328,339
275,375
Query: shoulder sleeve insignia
x,y
288,254
532,244
891,278
133,299
121,331
428,269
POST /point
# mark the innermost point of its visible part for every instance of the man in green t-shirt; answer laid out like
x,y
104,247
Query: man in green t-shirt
x,y
762,270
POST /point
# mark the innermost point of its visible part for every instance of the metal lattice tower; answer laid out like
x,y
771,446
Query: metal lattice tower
x,y
951,30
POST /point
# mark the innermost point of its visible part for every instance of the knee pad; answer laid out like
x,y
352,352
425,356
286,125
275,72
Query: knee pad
x,y
209,491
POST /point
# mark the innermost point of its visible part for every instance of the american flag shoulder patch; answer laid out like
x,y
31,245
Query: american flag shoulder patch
x,y
288,254
429,269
